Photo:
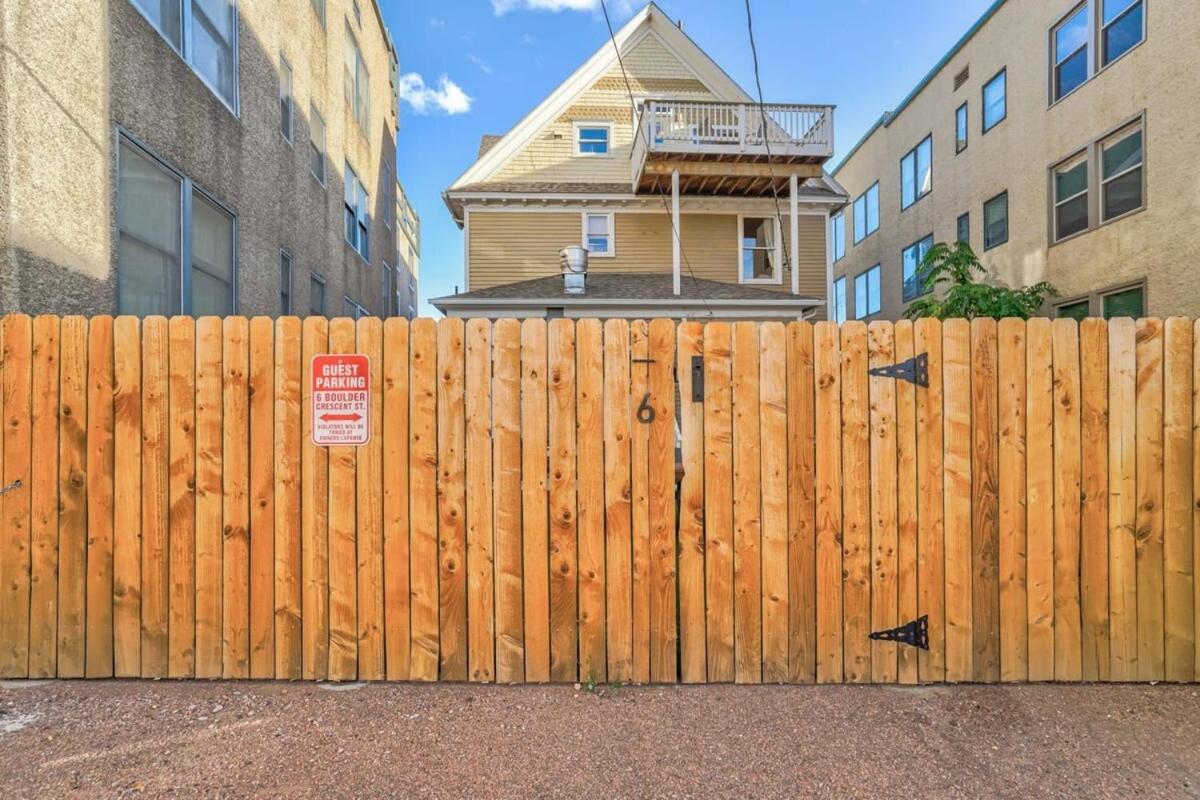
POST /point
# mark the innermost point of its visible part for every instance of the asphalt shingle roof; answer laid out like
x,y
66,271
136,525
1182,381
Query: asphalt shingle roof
x,y
617,286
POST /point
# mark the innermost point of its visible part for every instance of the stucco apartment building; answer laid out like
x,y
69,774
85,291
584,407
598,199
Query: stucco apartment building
x,y
408,259
1058,138
196,157
691,199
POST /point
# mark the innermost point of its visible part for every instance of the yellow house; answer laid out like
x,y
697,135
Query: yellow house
x,y
690,199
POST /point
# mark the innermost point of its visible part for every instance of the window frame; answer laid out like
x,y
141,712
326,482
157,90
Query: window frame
x,y
323,178
188,188
777,260
865,197
1102,29
1089,45
963,113
576,142
1056,204
838,222
360,70
1095,300
362,217
285,68
840,309
966,215
288,292
317,278
183,50
1007,221
1003,73
612,233
320,11
360,311
1094,151
1103,181
918,195
866,276
920,291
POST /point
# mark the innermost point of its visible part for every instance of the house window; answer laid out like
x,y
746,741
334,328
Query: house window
x,y
1121,181
995,101
963,228
285,99
961,131
1123,26
592,139
316,295
316,144
1122,301
916,173
1071,63
1078,310
839,300
318,7
353,309
839,236
866,213
159,212
598,238
285,282
913,257
204,33
866,293
358,220
1071,197
356,82
995,221
760,250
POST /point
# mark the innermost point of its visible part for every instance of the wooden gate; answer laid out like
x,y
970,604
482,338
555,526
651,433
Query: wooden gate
x,y
644,502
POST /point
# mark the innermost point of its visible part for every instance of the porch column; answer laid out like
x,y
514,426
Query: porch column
x,y
794,190
675,251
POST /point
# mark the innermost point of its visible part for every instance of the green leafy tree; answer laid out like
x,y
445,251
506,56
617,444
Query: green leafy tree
x,y
950,275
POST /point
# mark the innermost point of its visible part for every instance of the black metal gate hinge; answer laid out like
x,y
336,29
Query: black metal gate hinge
x,y
915,633
914,370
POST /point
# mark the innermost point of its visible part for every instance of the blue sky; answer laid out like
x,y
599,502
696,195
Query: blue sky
x,y
472,67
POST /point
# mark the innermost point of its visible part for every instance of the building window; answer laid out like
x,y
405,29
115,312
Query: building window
x,y
760,250
316,295
963,228
839,300
961,130
995,221
866,213
913,257
839,236
175,250
318,7
358,220
866,293
285,99
285,282
1114,164
916,173
1121,181
1122,301
353,309
204,33
598,236
1071,64
592,139
995,101
356,82
1071,197
1123,26
316,143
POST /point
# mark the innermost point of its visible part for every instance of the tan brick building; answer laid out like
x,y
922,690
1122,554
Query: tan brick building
x,y
1058,138
196,156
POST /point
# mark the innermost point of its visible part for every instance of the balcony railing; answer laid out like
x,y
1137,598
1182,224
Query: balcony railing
x,y
738,129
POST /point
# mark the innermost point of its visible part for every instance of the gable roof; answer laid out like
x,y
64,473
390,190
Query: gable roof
x,y
651,20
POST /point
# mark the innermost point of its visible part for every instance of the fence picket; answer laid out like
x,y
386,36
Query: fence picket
x,y
72,494
44,508
747,506
1039,500
1067,508
802,519
639,461
773,459
154,556
985,533
1093,556
885,597
425,651
480,564
618,505
718,501
827,371
535,499
931,539
127,490
99,647
856,504
1122,498
506,412
343,550
589,398
1178,544
288,569
262,497
397,586
693,655
235,569
181,571
1149,542
1014,614
369,510
314,515
906,502
564,621
15,559
664,633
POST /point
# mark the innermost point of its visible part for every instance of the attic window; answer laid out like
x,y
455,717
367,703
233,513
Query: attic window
x,y
592,138
962,77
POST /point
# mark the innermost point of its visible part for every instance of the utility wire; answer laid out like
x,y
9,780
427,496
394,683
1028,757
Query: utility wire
x,y
657,183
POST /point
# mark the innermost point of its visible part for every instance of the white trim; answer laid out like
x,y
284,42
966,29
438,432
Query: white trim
x,y
777,280
650,205
650,19
466,250
676,225
612,233
576,142
793,191
830,299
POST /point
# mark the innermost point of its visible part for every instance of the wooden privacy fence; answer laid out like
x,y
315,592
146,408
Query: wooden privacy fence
x,y
516,515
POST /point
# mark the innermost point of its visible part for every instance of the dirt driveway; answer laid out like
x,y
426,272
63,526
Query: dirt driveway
x,y
130,739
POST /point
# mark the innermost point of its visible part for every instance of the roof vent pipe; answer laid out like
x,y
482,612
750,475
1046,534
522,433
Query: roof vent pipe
x,y
574,268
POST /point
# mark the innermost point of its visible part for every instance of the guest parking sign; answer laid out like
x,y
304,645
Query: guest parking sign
x,y
341,407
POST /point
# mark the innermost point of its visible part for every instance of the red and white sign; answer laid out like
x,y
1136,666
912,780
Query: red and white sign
x,y
341,405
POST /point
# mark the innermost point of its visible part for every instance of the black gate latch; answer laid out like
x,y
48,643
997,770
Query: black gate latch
x,y
914,370
915,633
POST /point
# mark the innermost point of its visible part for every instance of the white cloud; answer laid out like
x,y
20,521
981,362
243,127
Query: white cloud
x,y
620,7
448,97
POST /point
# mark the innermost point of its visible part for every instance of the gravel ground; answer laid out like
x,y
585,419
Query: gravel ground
x,y
133,739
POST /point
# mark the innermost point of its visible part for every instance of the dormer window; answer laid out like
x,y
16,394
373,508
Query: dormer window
x,y
593,138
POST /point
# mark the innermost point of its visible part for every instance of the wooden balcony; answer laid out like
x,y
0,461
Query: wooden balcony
x,y
729,148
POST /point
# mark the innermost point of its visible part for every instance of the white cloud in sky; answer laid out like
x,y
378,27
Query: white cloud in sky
x,y
447,97
620,7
